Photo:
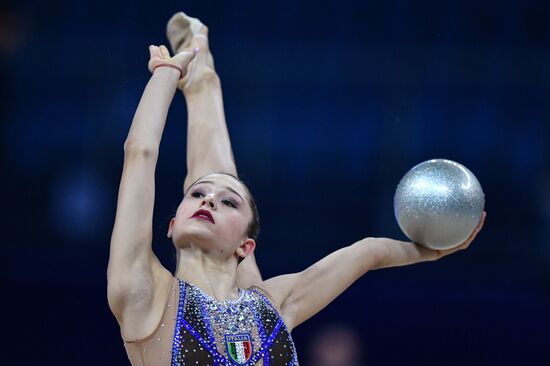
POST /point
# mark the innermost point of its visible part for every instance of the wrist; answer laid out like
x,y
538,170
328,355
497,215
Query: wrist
x,y
168,70
395,253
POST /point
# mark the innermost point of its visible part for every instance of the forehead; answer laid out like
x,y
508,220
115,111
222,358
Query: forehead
x,y
223,181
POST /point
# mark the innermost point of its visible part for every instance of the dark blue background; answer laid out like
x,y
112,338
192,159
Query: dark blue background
x,y
328,105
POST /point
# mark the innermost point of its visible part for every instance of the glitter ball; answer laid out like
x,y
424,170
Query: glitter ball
x,y
438,203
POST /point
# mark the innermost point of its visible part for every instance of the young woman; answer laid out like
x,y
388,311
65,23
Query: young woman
x,y
215,309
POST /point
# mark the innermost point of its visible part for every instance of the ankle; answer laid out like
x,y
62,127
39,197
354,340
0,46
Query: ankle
x,y
206,79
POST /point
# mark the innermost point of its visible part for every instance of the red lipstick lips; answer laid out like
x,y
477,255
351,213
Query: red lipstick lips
x,y
203,215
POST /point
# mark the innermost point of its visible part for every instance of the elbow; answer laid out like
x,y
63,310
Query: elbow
x,y
134,148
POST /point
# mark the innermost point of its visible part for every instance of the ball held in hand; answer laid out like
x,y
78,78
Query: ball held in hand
x,y
438,203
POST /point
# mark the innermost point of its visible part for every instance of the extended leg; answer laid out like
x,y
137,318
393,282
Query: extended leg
x,y
208,144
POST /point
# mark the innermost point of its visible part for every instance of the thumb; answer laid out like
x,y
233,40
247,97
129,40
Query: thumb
x,y
183,58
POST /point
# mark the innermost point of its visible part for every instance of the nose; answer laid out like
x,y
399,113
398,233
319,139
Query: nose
x,y
209,200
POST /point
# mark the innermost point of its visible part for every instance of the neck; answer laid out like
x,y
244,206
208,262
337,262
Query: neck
x,y
215,276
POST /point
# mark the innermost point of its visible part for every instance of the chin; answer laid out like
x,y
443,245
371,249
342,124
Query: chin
x,y
200,236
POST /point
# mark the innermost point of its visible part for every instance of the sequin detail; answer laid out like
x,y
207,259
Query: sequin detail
x,y
204,325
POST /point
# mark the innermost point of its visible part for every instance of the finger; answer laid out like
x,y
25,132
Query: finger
x,y
154,51
463,246
164,51
476,230
482,221
471,237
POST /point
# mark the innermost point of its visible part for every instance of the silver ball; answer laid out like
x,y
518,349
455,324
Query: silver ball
x,y
438,203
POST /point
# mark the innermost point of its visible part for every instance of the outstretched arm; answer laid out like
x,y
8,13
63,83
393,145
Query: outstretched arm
x,y
208,143
134,274
302,295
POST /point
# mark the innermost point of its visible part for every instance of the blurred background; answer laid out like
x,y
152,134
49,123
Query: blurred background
x,y
328,104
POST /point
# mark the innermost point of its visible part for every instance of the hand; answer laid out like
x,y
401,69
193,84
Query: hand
x,y
160,55
442,253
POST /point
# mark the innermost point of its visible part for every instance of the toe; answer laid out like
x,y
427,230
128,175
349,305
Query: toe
x,y
182,31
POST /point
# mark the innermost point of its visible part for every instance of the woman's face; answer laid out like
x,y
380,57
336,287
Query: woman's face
x,y
214,213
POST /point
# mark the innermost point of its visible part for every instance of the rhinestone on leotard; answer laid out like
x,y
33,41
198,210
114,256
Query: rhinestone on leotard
x,y
232,332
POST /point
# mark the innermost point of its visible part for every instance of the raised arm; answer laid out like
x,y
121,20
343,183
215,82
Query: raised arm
x,y
134,274
302,295
208,143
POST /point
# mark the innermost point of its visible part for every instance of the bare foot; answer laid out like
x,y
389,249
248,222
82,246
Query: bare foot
x,y
185,34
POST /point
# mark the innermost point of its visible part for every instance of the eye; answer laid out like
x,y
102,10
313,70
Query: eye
x,y
229,203
197,194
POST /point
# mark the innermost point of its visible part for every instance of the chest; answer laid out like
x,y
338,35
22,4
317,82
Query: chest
x,y
247,331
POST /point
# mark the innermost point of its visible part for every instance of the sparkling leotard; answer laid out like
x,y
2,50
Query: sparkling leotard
x,y
246,331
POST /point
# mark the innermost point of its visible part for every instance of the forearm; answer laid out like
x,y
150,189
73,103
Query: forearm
x,y
395,253
322,282
208,143
150,116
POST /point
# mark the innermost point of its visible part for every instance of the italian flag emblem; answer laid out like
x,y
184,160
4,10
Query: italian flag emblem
x,y
239,347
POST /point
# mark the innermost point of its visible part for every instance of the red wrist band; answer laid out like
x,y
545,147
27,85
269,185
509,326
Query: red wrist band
x,y
170,65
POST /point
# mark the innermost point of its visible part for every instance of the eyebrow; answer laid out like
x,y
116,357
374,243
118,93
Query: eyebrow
x,y
226,187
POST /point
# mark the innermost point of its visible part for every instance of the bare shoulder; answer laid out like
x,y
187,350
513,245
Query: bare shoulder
x,y
138,301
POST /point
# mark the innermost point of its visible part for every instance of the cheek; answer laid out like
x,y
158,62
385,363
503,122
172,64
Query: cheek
x,y
183,212
237,224
186,210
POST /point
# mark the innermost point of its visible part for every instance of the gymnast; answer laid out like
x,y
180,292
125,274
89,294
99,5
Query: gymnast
x,y
215,309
